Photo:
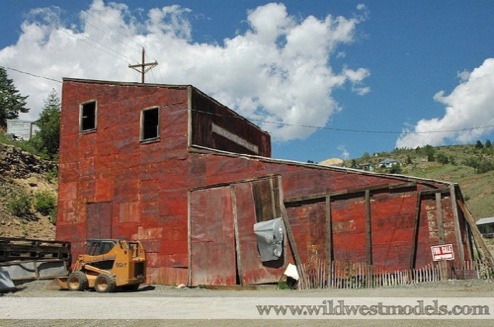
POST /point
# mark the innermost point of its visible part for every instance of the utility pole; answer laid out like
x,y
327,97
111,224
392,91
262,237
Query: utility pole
x,y
144,67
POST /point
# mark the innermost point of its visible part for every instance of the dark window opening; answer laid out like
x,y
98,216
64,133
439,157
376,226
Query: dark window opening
x,y
88,116
150,124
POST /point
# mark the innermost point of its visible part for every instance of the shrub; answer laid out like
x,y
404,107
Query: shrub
x,y
52,175
485,166
19,204
53,216
442,158
44,202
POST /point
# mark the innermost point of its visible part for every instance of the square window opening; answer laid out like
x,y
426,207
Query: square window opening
x,y
88,116
150,124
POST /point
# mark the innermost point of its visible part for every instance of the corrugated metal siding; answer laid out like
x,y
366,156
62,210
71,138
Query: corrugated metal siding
x,y
149,184
207,112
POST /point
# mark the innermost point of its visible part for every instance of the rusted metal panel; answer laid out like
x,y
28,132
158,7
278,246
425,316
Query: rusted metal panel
x,y
308,223
253,271
212,238
148,184
216,126
99,220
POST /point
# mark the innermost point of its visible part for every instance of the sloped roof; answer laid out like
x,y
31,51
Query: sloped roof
x,y
485,221
388,160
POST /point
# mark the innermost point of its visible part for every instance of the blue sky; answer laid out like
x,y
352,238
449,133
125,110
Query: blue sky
x,y
325,78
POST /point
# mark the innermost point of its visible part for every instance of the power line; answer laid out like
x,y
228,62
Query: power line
x,y
31,74
295,125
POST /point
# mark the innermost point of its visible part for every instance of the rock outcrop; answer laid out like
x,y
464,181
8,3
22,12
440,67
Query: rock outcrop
x,y
15,163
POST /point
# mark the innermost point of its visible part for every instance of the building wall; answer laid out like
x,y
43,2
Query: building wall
x,y
126,188
132,182
393,210
215,126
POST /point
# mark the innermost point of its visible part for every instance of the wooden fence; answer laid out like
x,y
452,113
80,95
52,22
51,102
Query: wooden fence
x,y
348,275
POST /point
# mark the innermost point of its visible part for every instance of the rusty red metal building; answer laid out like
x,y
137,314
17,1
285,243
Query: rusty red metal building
x,y
177,170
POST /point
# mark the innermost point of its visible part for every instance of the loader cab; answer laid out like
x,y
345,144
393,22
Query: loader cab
x,y
98,247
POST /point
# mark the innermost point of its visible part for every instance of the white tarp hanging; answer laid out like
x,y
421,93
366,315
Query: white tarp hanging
x,y
269,236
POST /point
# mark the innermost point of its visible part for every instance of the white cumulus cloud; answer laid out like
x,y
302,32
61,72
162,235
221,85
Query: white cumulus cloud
x,y
469,112
277,72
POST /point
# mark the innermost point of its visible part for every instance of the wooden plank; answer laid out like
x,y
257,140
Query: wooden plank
x,y
439,217
473,227
329,236
368,227
291,237
238,256
320,197
461,250
413,256
273,199
434,191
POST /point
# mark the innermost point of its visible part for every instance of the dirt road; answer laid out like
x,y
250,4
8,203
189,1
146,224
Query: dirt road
x,y
39,290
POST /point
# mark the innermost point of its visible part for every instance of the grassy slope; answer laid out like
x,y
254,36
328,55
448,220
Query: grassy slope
x,y
477,189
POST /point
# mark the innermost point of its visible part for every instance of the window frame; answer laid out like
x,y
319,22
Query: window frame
x,y
142,122
81,118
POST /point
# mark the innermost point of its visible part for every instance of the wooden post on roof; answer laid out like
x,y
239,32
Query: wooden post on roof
x,y
144,66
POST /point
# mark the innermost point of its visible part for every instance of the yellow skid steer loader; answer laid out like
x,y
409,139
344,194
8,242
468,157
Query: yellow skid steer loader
x,y
106,265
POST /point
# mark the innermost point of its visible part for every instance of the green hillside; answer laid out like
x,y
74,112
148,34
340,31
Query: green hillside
x,y
471,166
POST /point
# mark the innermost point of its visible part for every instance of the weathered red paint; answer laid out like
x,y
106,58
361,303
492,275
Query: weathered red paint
x,y
194,207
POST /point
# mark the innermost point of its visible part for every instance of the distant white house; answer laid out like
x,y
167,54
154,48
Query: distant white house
x,y
21,129
486,226
388,163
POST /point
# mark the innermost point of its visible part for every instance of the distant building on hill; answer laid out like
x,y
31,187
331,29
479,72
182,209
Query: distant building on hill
x,y
21,129
486,226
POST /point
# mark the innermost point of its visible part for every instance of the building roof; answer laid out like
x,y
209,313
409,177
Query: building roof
x,y
388,160
485,221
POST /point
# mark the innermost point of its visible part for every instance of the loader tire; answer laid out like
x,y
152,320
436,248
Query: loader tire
x,y
77,281
105,283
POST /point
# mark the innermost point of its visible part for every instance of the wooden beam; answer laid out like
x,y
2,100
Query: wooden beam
x,y
439,218
368,227
273,199
321,197
329,237
461,249
435,191
475,231
238,257
289,232
413,257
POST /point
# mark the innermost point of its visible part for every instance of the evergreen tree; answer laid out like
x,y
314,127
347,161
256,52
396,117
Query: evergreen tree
x,y
47,140
479,145
430,153
11,102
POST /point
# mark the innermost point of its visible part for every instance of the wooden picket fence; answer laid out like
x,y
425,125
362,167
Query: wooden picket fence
x,y
348,275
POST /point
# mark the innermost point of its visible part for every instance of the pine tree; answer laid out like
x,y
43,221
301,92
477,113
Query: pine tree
x,y
11,102
47,140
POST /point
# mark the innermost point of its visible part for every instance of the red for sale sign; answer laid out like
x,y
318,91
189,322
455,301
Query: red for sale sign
x,y
442,252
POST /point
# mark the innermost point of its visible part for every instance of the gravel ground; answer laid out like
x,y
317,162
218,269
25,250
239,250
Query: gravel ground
x,y
450,289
